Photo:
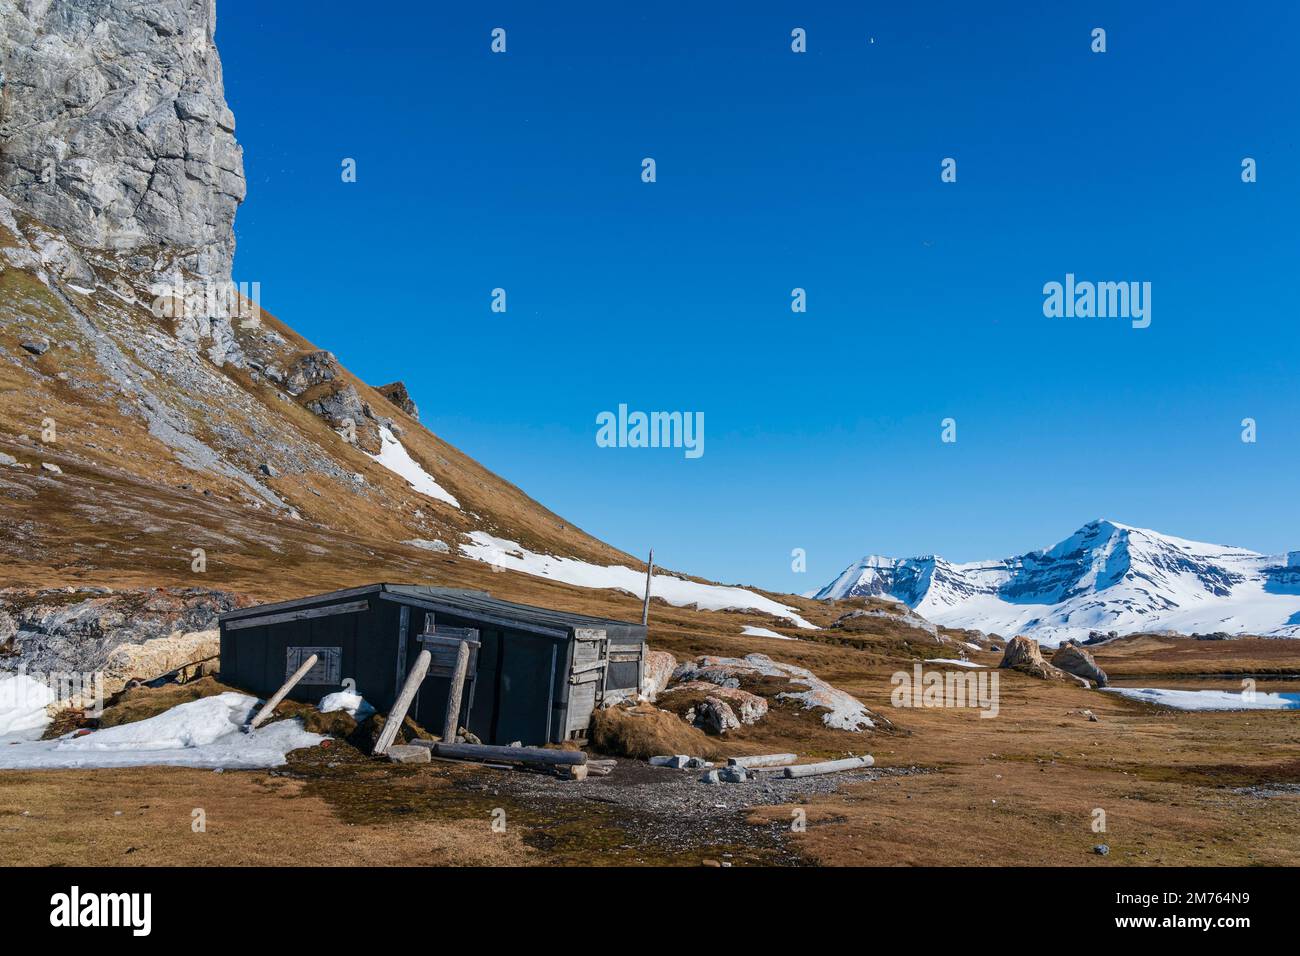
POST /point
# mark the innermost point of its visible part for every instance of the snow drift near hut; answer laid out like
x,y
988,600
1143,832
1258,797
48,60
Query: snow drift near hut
x,y
200,733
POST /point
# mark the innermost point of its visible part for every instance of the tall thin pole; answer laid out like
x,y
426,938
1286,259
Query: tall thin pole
x,y
649,574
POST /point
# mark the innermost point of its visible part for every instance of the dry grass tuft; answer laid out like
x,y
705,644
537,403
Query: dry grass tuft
x,y
645,731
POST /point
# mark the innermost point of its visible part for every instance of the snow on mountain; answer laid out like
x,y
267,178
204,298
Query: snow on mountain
x,y
1104,577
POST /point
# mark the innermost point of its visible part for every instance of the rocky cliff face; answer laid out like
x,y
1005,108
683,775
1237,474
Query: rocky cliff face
x,y
114,128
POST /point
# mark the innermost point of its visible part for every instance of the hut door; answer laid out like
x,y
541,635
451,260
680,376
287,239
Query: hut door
x,y
586,679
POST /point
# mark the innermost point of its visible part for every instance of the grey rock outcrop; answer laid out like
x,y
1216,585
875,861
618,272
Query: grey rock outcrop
x,y
114,127
397,393
715,717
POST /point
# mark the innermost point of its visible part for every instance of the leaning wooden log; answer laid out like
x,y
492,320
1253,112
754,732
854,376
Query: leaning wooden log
x,y
830,766
278,696
761,760
452,720
403,702
534,756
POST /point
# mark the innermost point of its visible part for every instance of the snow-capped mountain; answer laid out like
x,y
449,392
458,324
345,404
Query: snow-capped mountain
x,y
1104,577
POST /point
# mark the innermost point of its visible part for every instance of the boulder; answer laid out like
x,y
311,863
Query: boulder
x,y
1024,655
715,717
659,666
158,656
1073,659
842,710
750,708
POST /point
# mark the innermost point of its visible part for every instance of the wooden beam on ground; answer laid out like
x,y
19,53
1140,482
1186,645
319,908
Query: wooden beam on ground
x,y
403,702
830,766
533,756
278,696
761,760
451,723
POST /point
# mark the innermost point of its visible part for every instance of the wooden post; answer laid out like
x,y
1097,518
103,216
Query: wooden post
x,y
278,696
403,702
452,721
649,576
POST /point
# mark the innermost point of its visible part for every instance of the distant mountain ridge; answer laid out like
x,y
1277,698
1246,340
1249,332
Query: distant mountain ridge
x,y
1105,577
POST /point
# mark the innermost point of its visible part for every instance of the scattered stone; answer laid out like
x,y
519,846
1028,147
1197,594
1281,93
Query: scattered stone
x,y
675,762
269,470
733,775
39,347
1101,849
711,776
8,460
407,753
51,467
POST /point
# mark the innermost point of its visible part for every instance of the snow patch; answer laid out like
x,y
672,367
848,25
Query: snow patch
x,y
23,701
394,456
502,553
351,703
201,733
750,631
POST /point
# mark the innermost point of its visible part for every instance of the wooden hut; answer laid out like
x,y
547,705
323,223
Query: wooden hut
x,y
535,674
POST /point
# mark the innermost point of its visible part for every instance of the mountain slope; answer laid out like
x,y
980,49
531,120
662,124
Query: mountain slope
x,y
1104,577
154,420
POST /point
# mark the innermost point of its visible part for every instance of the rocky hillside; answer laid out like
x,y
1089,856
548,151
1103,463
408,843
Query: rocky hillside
x,y
160,430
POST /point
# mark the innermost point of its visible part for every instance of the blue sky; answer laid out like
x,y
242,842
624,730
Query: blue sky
x,y
777,170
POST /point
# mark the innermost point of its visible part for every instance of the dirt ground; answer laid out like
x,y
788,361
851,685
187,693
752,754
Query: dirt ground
x,y
950,788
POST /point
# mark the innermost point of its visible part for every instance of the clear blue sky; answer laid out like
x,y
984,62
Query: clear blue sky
x,y
821,171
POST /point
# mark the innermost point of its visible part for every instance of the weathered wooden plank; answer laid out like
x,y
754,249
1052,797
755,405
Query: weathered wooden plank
x,y
761,760
278,696
451,723
403,702
300,615
829,766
